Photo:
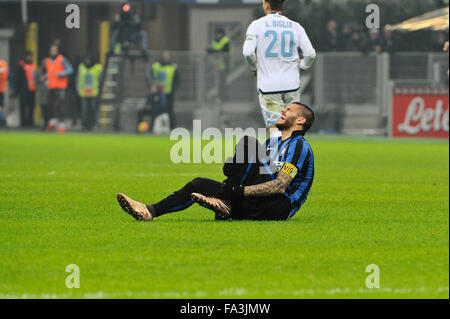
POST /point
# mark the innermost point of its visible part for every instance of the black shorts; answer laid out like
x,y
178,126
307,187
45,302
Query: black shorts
x,y
277,207
262,208
2,99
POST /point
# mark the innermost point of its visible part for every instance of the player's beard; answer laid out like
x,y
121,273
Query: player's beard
x,y
283,126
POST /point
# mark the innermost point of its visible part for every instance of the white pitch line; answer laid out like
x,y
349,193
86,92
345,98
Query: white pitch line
x,y
233,292
153,175
121,175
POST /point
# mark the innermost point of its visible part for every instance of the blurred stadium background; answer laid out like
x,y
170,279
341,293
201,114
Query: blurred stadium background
x,y
351,84
375,199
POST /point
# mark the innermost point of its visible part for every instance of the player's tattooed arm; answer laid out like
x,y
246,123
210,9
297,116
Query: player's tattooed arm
x,y
275,187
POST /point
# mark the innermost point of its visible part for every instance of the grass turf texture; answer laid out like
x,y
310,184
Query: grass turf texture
x,y
374,201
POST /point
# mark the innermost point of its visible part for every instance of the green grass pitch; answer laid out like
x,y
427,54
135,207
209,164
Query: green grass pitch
x,y
374,201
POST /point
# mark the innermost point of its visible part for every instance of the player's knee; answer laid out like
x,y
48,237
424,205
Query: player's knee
x,y
247,150
247,140
192,186
196,180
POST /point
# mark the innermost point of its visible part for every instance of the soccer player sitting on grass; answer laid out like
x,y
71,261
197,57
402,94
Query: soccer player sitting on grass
x,y
269,182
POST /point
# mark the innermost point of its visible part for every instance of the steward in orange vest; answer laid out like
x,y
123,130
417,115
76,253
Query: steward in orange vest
x,y
55,67
25,88
4,72
58,69
30,75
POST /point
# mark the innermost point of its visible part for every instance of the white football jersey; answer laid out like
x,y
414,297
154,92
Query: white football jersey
x,y
271,49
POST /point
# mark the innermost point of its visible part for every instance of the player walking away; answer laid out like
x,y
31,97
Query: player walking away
x,y
269,182
4,73
271,50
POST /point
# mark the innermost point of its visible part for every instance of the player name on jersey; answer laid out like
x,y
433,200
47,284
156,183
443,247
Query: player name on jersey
x,y
279,24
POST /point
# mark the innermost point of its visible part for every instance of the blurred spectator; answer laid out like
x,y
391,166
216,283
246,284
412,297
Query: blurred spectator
x,y
221,48
331,37
345,39
445,49
57,42
375,41
4,73
43,93
388,41
88,83
156,105
165,74
359,41
57,70
25,88
73,98
442,37
126,30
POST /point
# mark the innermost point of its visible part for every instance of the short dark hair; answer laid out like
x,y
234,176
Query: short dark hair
x,y
28,52
276,4
308,114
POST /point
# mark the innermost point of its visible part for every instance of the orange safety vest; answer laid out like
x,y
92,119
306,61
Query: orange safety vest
x,y
30,73
56,82
3,75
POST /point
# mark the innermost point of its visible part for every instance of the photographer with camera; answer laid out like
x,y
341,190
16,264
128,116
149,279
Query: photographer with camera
x,y
127,30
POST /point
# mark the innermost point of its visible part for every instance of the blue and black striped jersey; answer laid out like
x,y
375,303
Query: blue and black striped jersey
x,y
295,157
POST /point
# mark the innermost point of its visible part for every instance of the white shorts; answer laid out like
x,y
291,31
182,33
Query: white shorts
x,y
272,104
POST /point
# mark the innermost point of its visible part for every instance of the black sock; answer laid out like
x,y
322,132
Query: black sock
x,y
181,199
176,201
